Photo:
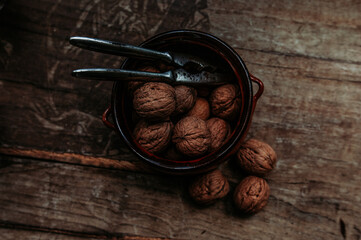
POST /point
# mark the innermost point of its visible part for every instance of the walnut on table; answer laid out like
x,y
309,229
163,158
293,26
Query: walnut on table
x,y
251,195
209,187
256,157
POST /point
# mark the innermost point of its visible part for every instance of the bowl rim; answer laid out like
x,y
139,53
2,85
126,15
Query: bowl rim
x,y
219,155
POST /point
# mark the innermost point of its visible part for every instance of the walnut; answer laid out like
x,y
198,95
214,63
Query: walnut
x,y
251,195
200,109
153,137
225,101
209,187
220,131
185,98
256,157
154,100
191,136
134,85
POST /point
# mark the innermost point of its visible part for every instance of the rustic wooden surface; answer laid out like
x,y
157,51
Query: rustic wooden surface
x,y
63,175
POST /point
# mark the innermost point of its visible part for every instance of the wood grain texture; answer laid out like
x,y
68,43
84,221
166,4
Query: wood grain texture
x,y
99,201
7,232
307,53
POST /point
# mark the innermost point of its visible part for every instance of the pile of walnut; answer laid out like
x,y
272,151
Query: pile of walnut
x,y
255,158
181,122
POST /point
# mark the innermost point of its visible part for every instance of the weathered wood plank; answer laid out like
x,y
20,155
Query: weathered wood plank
x,y
35,122
69,109
65,107
9,234
307,54
327,30
36,233
99,201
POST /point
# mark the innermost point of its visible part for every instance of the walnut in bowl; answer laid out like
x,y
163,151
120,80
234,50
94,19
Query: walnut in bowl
x,y
201,45
154,137
154,100
226,101
191,136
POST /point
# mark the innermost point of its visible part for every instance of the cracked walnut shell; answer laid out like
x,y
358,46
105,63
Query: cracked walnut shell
x,y
256,157
225,101
153,137
154,100
251,194
209,187
191,136
220,131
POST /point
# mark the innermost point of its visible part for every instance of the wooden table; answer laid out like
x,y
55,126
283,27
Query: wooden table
x,y
63,175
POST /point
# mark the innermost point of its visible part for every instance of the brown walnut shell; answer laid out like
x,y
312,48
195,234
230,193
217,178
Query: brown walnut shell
x,y
220,131
185,98
200,109
191,136
256,157
251,195
153,137
209,187
226,102
154,100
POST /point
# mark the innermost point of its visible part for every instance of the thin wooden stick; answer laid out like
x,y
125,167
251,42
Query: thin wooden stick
x,y
75,159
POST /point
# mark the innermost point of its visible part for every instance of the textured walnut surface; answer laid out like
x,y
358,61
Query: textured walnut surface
x,y
154,100
191,136
256,157
185,98
209,187
225,101
220,131
251,194
200,109
153,137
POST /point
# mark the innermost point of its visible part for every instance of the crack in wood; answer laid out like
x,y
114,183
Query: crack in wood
x,y
343,228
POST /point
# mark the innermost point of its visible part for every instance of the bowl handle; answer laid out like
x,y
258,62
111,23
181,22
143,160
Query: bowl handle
x,y
259,92
105,117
